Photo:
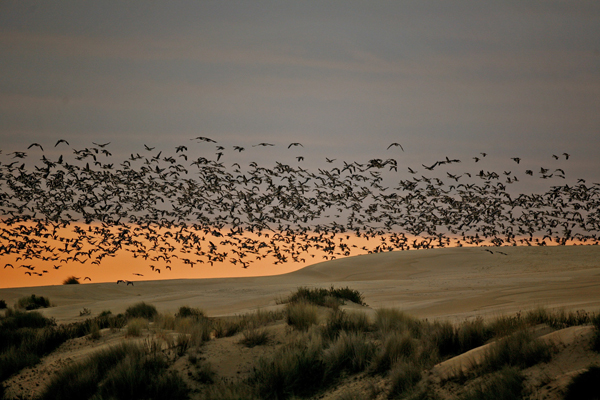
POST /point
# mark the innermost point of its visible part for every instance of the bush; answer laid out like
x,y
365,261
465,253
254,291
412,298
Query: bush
x,y
585,385
301,315
141,310
136,326
518,350
294,370
33,302
186,311
123,372
253,336
396,347
508,384
71,280
404,376
339,321
2,304
323,297
350,352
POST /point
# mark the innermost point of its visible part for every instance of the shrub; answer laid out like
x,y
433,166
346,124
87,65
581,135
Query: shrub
x,y
253,336
404,376
301,315
121,372
71,280
186,311
349,352
85,311
141,310
136,325
396,347
339,321
517,350
508,384
294,370
585,385
323,297
2,304
391,319
33,302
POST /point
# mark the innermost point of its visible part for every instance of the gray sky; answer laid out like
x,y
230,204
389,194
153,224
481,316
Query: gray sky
x,y
345,78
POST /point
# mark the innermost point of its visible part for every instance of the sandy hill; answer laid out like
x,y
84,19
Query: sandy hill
x,y
453,283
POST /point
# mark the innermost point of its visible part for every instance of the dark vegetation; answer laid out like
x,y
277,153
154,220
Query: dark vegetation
x,y
2,304
71,280
331,297
141,310
316,355
33,302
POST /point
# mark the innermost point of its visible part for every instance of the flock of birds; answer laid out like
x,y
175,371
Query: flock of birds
x,y
199,210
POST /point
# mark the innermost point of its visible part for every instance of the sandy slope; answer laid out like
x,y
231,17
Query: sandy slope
x,y
438,283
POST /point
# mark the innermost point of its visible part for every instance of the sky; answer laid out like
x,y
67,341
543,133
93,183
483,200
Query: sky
x,y
344,78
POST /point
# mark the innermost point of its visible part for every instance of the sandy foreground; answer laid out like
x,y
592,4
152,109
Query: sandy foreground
x,y
453,283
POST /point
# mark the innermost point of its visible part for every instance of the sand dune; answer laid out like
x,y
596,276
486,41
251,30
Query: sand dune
x,y
452,283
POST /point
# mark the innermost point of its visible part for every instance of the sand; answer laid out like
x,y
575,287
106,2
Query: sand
x,y
453,283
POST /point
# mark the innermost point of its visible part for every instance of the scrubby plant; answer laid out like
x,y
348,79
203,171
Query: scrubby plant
x,y
141,310
301,315
520,349
507,384
396,347
84,312
350,352
295,369
135,326
2,304
185,312
33,302
254,336
404,376
71,280
391,319
323,297
340,320
127,371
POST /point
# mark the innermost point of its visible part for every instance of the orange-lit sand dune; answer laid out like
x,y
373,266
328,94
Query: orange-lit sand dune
x,y
445,283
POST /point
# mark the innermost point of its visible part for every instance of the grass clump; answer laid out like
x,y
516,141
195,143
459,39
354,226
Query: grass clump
x,y
2,305
135,326
585,385
342,321
71,280
294,370
127,371
189,312
331,297
33,302
350,352
254,336
141,310
520,350
301,315
507,384
404,376
396,347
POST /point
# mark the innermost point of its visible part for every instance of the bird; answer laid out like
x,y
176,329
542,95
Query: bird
x,y
300,158
35,144
263,144
395,144
87,278
61,141
516,159
101,145
295,144
204,139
